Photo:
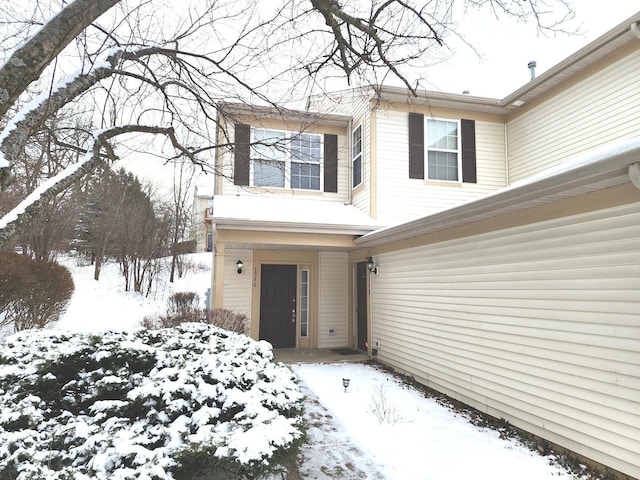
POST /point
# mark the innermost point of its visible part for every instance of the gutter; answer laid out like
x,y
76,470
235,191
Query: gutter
x,y
615,162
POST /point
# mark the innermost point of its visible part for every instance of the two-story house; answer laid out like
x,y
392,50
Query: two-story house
x,y
284,224
490,248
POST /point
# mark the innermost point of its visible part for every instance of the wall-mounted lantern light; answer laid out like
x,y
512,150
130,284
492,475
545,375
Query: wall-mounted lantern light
x,y
239,267
371,266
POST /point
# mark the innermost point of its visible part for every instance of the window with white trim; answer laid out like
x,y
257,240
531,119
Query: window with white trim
x,y
356,156
304,302
443,149
285,159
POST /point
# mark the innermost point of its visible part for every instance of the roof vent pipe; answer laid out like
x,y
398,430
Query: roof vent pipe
x,y
532,68
635,29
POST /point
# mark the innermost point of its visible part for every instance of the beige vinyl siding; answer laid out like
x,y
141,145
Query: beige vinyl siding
x,y
354,103
237,288
539,325
402,198
600,110
333,300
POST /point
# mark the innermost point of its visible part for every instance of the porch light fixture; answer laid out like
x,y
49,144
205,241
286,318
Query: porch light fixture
x,y
239,267
371,266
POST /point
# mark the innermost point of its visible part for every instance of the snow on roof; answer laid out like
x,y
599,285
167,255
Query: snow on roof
x,y
602,168
278,213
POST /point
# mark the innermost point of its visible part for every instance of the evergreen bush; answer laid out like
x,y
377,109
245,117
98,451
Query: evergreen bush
x,y
189,402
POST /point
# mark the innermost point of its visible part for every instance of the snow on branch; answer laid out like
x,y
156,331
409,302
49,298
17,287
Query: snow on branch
x,y
29,207
28,62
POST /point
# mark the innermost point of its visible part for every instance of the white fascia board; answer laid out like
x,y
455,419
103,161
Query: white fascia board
x,y
601,165
288,227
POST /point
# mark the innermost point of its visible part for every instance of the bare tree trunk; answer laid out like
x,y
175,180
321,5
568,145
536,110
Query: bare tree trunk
x,y
173,267
96,268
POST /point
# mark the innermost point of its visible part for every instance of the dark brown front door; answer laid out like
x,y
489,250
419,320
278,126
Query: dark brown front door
x,y
361,305
278,305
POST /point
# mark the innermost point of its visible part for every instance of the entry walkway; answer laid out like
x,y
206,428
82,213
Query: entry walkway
x,y
318,355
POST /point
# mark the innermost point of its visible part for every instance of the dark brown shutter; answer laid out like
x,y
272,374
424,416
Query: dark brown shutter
x,y
331,163
468,128
242,140
416,145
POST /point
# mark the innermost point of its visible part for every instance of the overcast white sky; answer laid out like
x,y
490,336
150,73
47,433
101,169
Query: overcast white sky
x,y
508,46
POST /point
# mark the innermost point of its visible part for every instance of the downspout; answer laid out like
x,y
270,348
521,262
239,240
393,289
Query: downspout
x,y
212,293
634,168
506,154
349,162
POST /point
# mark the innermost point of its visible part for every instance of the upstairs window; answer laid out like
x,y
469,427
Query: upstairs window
x,y
277,158
356,156
284,159
443,147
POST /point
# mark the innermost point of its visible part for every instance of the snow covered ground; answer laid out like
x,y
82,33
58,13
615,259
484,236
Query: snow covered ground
x,y
379,428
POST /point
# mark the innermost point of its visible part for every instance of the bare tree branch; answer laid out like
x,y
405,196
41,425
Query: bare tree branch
x,y
29,61
29,207
177,71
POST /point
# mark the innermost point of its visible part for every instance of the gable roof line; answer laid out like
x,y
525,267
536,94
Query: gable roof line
x,y
284,114
579,60
602,169
582,59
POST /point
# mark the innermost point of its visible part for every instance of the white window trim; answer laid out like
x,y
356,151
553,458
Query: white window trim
x,y
427,149
286,144
353,159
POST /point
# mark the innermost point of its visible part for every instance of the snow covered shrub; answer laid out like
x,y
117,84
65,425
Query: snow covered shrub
x,y
184,307
33,293
150,404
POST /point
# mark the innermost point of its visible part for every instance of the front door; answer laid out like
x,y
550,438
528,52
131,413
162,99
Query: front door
x,y
361,305
278,305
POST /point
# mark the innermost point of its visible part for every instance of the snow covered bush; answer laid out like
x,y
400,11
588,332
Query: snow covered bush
x,y
183,402
184,307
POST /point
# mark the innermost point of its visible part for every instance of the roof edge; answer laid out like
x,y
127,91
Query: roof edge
x,y
611,35
285,114
593,167
292,227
